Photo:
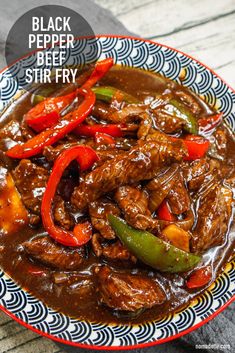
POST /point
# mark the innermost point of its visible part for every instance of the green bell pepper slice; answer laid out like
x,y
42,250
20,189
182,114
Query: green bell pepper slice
x,y
151,250
107,93
179,110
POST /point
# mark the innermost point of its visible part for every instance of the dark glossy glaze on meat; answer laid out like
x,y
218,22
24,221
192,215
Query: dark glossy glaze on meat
x,y
130,180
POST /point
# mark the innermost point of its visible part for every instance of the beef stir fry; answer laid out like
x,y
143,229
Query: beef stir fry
x,y
116,194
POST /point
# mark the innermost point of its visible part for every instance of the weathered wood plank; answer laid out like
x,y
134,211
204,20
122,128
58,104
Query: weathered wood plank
x,y
4,319
36,345
210,43
15,338
202,29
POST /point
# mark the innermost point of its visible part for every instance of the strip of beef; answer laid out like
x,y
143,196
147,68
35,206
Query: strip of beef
x,y
12,131
122,291
125,144
178,196
142,162
27,132
114,251
61,214
146,126
51,153
221,141
194,173
167,122
159,187
31,181
201,172
159,116
129,114
166,115
158,136
214,212
134,204
230,182
99,211
102,111
48,252
105,155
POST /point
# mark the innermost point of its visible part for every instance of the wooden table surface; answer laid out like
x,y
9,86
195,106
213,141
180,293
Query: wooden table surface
x,y
204,29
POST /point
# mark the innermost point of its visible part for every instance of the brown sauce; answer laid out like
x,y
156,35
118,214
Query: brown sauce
x,y
78,298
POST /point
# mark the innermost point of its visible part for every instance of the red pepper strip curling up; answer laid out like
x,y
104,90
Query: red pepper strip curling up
x,y
47,113
90,130
51,135
164,212
199,277
82,233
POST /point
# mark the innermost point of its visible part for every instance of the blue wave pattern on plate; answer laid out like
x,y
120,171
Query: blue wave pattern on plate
x,y
186,71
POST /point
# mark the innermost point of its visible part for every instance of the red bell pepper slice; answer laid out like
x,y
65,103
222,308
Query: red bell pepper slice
x,y
82,233
210,123
199,277
46,113
164,213
104,139
100,70
90,130
51,135
197,147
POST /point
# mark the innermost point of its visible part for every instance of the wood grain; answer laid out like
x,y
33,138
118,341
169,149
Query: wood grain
x,y
17,339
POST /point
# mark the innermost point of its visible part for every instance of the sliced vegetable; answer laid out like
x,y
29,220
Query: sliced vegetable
x,y
207,125
104,139
90,130
82,233
107,94
47,112
177,236
56,132
179,110
199,277
164,213
197,146
151,250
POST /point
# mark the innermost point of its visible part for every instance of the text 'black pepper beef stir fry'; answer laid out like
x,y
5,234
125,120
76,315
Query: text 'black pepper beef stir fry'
x,y
116,194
